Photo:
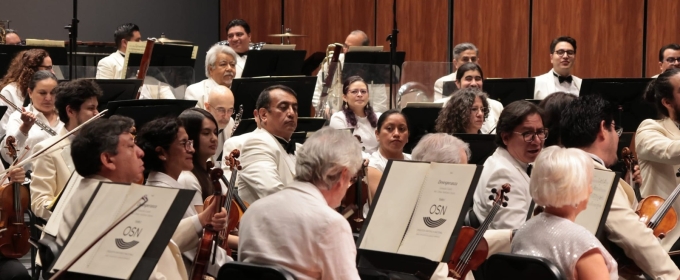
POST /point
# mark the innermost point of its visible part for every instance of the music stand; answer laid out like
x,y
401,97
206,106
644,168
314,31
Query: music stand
x,y
166,55
117,90
482,146
421,121
510,90
3,110
274,63
8,52
364,57
628,94
356,65
247,90
144,111
449,88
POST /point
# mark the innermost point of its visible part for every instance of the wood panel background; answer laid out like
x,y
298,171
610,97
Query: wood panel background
x,y
662,29
263,16
499,29
608,36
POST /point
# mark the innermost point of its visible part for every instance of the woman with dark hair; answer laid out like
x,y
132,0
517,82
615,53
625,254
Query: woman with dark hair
x,y
21,125
470,75
552,106
392,135
465,112
357,113
15,84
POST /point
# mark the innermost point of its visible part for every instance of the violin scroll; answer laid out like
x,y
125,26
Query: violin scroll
x,y
500,197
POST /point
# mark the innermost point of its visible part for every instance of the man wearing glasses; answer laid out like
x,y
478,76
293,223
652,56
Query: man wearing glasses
x,y
559,78
220,104
669,57
462,53
519,137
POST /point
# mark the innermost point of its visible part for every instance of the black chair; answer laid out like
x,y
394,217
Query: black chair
x,y
250,271
511,266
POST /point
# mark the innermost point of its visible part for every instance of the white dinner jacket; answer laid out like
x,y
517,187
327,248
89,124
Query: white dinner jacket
x,y
545,85
111,67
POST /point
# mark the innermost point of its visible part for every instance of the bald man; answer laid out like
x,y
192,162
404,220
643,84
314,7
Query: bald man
x,y
12,38
220,104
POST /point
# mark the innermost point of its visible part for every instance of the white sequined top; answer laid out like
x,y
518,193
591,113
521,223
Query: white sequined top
x,y
561,241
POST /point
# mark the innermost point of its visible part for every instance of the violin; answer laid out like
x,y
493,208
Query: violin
x,y
630,162
354,200
227,201
14,202
210,234
471,248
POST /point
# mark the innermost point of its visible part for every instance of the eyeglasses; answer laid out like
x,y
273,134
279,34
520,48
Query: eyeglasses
x,y
188,144
528,136
672,60
469,59
477,109
357,91
470,78
229,111
568,52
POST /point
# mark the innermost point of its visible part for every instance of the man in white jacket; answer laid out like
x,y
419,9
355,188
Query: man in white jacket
x,y
111,67
559,78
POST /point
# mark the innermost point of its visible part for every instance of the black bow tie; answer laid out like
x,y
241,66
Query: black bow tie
x,y
561,79
289,146
529,168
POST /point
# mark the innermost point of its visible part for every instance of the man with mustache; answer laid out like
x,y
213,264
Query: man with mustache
x,y
559,78
268,157
669,57
220,69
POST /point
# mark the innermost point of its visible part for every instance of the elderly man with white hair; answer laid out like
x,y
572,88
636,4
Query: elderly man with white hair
x,y
317,242
220,69
431,149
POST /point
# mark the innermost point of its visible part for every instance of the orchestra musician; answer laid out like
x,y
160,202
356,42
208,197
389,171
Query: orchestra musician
x,y
519,138
12,37
111,67
14,85
22,125
553,106
220,104
357,113
656,144
470,75
588,123
669,57
562,184
298,227
105,150
168,152
76,103
220,69
462,53
236,143
238,36
13,269
268,157
559,78
442,147
465,112
392,134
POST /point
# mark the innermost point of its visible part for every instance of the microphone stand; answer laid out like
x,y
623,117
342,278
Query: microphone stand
x,y
392,38
73,39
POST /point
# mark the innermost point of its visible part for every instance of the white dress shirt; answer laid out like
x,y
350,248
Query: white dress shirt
x,y
362,129
439,85
11,92
297,230
548,83
35,134
240,64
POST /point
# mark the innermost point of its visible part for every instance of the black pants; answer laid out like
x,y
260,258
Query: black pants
x,y
13,269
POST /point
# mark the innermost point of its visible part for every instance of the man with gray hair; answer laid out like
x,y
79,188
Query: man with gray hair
x,y
220,69
462,53
319,244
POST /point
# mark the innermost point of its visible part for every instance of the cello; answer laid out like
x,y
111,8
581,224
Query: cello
x,y
471,248
210,235
14,233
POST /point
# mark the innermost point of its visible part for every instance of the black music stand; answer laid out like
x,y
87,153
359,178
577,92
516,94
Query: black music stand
x,y
247,90
628,94
143,111
166,55
482,146
421,121
510,90
117,90
373,67
449,88
8,52
274,63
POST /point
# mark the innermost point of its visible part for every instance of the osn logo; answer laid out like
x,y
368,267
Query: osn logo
x,y
128,231
435,210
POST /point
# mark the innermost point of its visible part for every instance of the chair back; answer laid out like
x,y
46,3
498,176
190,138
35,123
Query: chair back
x,y
511,266
243,271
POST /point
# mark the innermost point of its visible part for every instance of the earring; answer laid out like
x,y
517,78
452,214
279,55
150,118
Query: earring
x,y
344,105
163,158
366,105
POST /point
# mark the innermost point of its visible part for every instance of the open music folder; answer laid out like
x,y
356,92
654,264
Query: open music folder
x,y
132,249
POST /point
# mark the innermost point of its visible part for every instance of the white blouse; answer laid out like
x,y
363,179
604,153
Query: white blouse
x,y
35,134
12,93
363,129
378,161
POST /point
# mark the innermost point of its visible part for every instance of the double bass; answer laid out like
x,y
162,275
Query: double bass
x,y
14,202
206,249
471,248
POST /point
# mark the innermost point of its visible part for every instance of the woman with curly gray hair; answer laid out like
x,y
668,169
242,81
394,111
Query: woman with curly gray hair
x,y
465,112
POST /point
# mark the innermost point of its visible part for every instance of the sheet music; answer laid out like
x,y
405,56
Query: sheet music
x,y
119,252
194,52
132,47
438,208
602,185
45,43
52,226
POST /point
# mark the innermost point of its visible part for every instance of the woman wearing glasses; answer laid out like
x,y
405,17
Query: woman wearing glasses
x,y
357,113
470,75
14,86
520,138
465,112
